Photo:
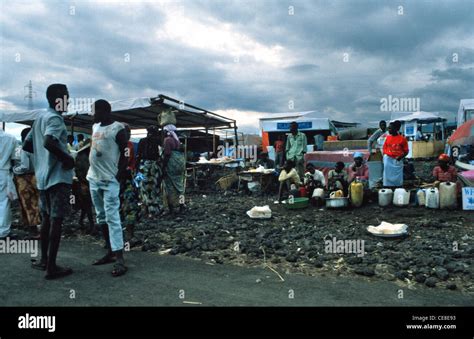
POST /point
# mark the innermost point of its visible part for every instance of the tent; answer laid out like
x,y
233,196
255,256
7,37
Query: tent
x,y
422,117
139,113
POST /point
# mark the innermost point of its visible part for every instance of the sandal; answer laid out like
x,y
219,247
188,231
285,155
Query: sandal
x,y
119,269
59,272
38,265
107,259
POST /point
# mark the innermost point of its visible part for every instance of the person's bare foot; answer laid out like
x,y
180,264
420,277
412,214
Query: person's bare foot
x,y
58,272
38,264
106,259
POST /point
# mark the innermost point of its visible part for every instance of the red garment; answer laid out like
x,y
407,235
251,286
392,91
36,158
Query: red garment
x,y
131,156
395,146
279,146
361,172
449,175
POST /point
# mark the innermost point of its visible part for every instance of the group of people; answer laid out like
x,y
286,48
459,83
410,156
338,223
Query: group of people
x,y
108,170
386,140
338,179
294,148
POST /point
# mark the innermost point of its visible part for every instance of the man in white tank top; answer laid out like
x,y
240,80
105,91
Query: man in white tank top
x,y
107,166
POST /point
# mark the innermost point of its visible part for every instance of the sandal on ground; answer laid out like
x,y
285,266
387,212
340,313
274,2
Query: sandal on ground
x,y
38,265
59,272
107,259
119,269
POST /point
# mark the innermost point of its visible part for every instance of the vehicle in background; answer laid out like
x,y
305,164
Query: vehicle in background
x,y
465,111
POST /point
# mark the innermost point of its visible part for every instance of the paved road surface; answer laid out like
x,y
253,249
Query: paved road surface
x,y
160,280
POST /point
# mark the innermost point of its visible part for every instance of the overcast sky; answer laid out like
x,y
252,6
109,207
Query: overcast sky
x,y
243,58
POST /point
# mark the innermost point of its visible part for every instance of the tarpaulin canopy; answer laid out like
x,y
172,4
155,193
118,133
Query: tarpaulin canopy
x,y
20,116
464,135
139,113
424,117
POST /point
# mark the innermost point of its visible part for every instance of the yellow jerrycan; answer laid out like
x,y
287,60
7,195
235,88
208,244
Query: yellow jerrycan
x,y
357,193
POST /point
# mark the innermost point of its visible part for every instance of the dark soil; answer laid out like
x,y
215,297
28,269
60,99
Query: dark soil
x,y
438,251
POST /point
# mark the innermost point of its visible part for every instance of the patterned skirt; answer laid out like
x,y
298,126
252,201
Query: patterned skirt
x,y
149,190
173,181
28,197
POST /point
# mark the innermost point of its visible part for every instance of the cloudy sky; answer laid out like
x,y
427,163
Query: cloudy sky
x,y
243,58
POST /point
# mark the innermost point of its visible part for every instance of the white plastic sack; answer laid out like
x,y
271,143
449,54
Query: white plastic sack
x,y
260,212
388,228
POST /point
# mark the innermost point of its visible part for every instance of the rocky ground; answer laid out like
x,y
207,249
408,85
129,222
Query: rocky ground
x,y
438,252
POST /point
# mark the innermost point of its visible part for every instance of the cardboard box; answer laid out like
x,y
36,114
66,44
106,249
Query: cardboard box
x,y
468,198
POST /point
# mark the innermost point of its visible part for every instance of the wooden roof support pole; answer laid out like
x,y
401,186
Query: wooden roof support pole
x,y
207,146
236,135
214,140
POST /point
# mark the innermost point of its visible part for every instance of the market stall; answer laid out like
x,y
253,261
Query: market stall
x,y
432,128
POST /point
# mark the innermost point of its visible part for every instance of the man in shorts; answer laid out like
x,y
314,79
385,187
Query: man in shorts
x,y
53,168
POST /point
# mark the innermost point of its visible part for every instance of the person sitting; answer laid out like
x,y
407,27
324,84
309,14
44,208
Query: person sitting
x,y
419,135
80,142
337,178
358,169
288,176
70,143
265,161
444,172
313,179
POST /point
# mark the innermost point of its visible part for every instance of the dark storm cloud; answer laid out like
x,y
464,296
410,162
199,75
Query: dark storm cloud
x,y
282,57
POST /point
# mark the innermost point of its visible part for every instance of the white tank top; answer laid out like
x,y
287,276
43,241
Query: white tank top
x,y
105,154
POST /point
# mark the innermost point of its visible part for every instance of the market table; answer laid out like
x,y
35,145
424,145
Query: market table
x,y
210,167
253,175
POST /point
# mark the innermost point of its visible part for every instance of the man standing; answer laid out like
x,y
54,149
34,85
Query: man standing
x,y
107,167
53,168
395,148
296,145
378,138
7,153
279,146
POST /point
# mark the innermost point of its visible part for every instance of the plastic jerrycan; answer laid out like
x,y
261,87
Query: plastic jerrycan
x,y
432,198
401,197
447,195
385,197
357,193
421,197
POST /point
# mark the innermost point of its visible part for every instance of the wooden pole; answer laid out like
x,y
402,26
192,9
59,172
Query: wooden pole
x,y
214,140
185,161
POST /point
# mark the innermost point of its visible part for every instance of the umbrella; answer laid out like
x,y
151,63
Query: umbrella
x,y
464,135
